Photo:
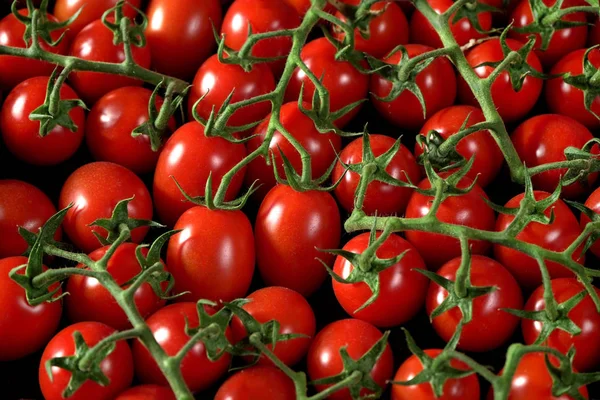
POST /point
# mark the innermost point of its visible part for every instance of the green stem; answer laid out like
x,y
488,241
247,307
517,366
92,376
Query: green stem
x,y
51,276
54,103
366,177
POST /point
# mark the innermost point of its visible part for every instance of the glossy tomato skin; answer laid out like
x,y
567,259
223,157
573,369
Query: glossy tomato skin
x,y
512,105
147,392
190,157
112,120
90,301
21,135
481,145
543,139
400,284
556,237
257,383
93,10
294,315
324,359
117,366
466,388
168,326
21,204
437,83
468,210
286,244
593,203
213,255
94,190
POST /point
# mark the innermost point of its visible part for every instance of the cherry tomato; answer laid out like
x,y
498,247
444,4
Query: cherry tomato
x,y
90,11
22,135
169,328
117,366
190,157
556,236
324,359
593,203
286,245
257,383
302,6
94,190
147,392
437,83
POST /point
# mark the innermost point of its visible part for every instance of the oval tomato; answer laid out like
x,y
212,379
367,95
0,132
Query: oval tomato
x,y
90,11
147,392
593,203
257,383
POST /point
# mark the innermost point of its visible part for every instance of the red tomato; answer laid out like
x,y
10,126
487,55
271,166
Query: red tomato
x,y
147,392
90,11
21,204
169,326
468,210
180,35
286,243
22,135
190,157
357,337
294,315
437,83
466,388
399,284
95,189
117,366
213,255
302,6
543,139
481,145
321,147
380,197
556,236
593,203
511,105
257,383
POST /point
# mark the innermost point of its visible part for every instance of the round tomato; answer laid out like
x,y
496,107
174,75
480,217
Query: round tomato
x,y
90,11
257,383
22,135
147,392
593,203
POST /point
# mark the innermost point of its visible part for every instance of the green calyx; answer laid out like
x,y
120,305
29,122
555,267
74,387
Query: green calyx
x,y
38,26
211,331
565,381
359,17
588,81
125,30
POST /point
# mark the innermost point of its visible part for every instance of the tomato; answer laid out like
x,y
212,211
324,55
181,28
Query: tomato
x,y
321,147
543,139
262,16
399,284
324,359
95,43
215,81
94,190
302,6
117,366
380,197
190,157
593,203
463,30
437,83
213,255
286,245
481,145
147,392
22,135
21,204
180,35
562,98
556,236
511,105
466,388
169,328
468,210
90,11
257,383
14,70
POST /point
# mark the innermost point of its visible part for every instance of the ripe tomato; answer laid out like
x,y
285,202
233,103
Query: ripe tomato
x,y
324,359
286,245
556,236
399,284
94,190
302,6
180,35
213,255
468,210
190,157
481,145
21,135
380,197
147,392
565,99
117,366
437,83
321,147
511,105
21,204
257,383
466,388
593,203
543,139
90,11
169,328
